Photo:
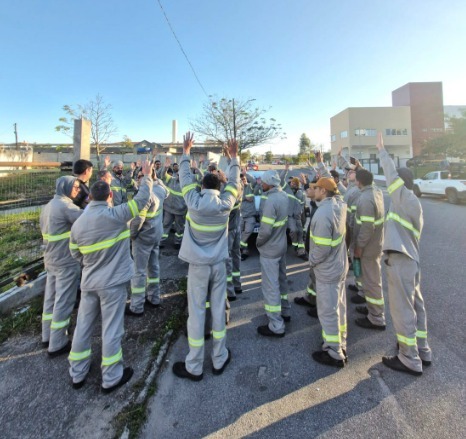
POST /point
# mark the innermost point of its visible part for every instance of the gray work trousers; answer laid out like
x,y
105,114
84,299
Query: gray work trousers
x,y
110,303
168,219
311,294
296,232
407,310
372,289
146,266
202,280
275,291
331,310
61,287
233,263
247,229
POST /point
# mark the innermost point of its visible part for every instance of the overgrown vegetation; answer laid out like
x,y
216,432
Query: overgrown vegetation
x,y
25,185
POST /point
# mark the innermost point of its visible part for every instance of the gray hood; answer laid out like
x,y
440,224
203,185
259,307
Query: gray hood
x,y
64,185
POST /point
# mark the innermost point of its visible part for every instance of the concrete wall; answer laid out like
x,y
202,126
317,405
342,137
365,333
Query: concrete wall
x,y
15,155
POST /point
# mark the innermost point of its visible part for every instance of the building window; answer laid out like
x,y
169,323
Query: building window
x,y
333,138
343,134
369,132
372,156
396,132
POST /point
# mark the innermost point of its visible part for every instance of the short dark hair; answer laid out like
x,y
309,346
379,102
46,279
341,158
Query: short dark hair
x,y
81,166
364,177
101,174
157,161
335,174
211,181
100,191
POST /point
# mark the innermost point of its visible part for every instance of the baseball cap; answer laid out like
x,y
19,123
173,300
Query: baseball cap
x,y
326,183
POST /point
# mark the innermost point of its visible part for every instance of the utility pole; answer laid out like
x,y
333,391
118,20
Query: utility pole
x,y
16,135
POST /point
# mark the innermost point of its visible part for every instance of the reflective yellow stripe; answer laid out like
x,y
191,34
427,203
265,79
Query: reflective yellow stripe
x,y
264,197
73,246
173,192
219,334
118,189
310,291
188,188
78,356
331,338
284,296
421,334
274,223
243,244
196,343
153,214
108,361
85,249
60,325
179,235
318,240
281,223
165,235
301,245
138,290
236,273
53,238
405,340
395,185
229,188
343,328
47,316
207,305
249,195
153,280
236,206
268,220
369,219
273,308
229,278
205,228
133,207
379,302
406,224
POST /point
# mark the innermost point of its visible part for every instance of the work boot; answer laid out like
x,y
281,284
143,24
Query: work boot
x,y
152,305
64,350
362,310
244,256
179,369
238,291
323,357
312,312
267,332
396,364
227,361
127,374
129,312
286,319
358,300
364,322
353,287
426,363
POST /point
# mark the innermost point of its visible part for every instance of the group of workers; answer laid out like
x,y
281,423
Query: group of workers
x,y
87,234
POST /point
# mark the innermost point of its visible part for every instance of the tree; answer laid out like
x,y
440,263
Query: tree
x,y
102,124
127,142
245,156
224,119
304,144
268,157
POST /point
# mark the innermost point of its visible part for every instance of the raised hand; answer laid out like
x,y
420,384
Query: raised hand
x,y
167,163
188,142
380,145
147,167
318,157
107,161
232,148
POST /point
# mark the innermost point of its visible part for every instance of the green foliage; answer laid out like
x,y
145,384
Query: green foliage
x,y
268,157
245,156
327,156
224,119
305,145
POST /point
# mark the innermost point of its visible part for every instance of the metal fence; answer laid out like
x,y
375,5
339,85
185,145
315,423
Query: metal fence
x,y
23,192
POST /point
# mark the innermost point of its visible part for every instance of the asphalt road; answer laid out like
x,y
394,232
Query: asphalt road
x,y
273,388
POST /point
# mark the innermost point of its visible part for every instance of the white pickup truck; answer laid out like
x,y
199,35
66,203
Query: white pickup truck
x,y
441,183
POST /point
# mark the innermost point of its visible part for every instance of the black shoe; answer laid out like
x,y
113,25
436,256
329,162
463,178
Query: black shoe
x,y
266,332
353,287
77,386
127,374
45,344
244,257
128,312
231,298
227,361
152,305
286,319
179,369
302,301
207,336
323,357
395,364
425,363
312,312
238,291
358,300
362,310
64,350
304,257
176,246
364,322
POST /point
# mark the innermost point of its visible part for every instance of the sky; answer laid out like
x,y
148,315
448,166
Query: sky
x,y
303,60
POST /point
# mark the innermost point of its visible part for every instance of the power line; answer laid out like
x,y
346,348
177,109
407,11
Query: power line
x,y
182,50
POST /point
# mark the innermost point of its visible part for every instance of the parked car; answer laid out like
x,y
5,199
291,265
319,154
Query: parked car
x,y
252,166
441,183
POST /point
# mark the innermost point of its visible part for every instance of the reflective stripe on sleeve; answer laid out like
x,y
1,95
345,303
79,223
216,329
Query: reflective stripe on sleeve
x,y
189,188
406,224
133,207
108,361
231,189
318,240
395,185
118,189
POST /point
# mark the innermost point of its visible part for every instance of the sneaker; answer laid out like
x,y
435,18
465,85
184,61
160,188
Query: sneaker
x,y
266,332
323,357
179,369
129,312
358,300
227,361
362,310
64,350
127,374
364,322
312,312
302,301
395,364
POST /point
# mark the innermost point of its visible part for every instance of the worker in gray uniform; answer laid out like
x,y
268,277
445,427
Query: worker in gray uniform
x,y
120,182
328,258
174,209
248,216
63,271
403,228
368,239
205,248
272,246
100,241
146,232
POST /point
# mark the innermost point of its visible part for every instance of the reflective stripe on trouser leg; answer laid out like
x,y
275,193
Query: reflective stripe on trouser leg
x,y
112,303
310,295
236,259
79,358
372,281
271,290
66,287
153,276
421,334
208,316
141,253
168,219
229,268
342,313
296,231
49,301
401,276
247,228
328,310
283,284
179,227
